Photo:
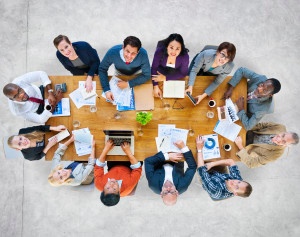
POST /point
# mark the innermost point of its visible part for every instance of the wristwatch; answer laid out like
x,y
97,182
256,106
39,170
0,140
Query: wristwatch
x,y
50,90
48,107
199,151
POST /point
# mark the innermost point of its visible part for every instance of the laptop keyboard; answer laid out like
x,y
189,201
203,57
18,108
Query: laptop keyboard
x,y
118,141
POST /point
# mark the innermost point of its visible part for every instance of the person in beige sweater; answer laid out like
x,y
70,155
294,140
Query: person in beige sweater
x,y
265,143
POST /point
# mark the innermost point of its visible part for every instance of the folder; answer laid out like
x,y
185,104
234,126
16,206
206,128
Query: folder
x,y
143,96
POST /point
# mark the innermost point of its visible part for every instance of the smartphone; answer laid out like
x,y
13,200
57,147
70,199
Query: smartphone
x,y
194,101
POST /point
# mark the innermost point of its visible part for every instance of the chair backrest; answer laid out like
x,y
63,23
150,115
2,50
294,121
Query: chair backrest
x,y
9,152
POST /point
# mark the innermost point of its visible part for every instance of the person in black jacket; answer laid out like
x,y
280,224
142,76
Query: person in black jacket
x,y
31,141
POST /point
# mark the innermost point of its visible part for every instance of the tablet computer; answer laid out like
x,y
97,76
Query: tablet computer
x,y
194,100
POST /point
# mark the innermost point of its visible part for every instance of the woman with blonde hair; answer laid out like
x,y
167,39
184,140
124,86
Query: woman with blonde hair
x,y
31,141
71,173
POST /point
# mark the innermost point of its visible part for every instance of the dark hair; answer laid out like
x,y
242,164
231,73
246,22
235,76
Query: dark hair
x,y
110,199
248,190
60,38
9,88
177,37
276,84
231,50
133,42
295,137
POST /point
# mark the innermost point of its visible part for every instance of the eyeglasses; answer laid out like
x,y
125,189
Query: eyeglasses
x,y
173,192
20,90
222,55
177,105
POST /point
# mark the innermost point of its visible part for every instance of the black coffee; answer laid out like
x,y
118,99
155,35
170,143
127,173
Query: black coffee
x,y
211,103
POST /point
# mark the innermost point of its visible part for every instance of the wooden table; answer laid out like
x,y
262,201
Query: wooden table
x,y
183,113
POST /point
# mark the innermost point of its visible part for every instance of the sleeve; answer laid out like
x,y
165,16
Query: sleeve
x,y
146,72
103,69
135,176
234,172
42,128
219,79
38,118
34,154
155,63
269,125
250,122
198,63
258,156
182,70
87,169
151,164
94,60
32,77
99,177
244,72
58,155
205,177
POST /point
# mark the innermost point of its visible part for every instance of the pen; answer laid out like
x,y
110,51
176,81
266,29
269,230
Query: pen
x,y
161,142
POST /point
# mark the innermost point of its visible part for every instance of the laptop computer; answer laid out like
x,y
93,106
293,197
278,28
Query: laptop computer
x,y
119,136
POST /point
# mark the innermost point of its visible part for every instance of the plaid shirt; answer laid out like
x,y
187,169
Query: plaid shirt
x,y
214,182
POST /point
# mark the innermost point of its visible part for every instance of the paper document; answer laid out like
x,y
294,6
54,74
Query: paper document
x,y
62,108
165,129
83,141
61,135
163,143
227,129
78,99
173,89
211,147
122,97
177,134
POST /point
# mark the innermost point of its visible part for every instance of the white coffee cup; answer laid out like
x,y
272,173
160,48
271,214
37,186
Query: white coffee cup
x,y
227,147
211,103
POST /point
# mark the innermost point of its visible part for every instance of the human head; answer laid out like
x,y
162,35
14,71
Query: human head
x,y
169,193
239,188
178,40
64,46
22,141
227,49
131,47
268,88
15,92
111,193
276,85
59,176
286,138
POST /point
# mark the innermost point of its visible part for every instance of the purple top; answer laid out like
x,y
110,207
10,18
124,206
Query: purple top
x,y
160,61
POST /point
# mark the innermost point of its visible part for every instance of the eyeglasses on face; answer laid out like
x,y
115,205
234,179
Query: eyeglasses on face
x,y
20,90
173,192
222,55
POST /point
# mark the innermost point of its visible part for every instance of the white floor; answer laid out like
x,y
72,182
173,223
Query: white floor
x,y
266,34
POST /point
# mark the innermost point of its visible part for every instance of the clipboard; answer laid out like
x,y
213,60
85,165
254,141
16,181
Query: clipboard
x,y
143,96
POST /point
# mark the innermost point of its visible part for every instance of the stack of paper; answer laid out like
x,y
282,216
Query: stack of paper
x,y
168,135
80,97
62,108
83,141
61,135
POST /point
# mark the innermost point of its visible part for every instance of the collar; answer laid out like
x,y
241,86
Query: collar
x,y
119,182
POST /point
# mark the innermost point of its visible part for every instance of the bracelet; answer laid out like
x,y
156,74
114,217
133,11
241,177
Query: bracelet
x,y
50,90
199,151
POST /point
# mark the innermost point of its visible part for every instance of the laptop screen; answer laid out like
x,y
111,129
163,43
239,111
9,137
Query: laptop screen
x,y
118,132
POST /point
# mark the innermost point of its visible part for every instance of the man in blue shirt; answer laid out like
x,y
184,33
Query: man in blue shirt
x,y
260,90
129,59
218,185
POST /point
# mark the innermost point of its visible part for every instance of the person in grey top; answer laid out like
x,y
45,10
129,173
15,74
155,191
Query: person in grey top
x,y
260,91
217,62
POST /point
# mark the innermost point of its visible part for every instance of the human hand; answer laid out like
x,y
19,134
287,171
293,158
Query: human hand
x,y
89,84
228,93
59,128
122,84
108,145
240,103
209,165
200,142
157,92
199,98
51,142
158,77
126,148
58,97
109,96
239,142
189,89
52,99
175,157
180,144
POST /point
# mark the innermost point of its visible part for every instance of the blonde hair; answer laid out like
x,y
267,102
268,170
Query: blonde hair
x,y
56,183
33,136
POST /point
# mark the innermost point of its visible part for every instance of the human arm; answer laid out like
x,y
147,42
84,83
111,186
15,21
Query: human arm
x,y
87,169
61,151
269,127
89,83
108,146
157,92
103,69
126,148
227,162
58,128
200,97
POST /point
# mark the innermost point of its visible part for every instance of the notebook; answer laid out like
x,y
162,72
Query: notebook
x,y
118,136
173,89
87,95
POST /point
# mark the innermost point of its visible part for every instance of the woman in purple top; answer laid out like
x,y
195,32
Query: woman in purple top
x,y
170,62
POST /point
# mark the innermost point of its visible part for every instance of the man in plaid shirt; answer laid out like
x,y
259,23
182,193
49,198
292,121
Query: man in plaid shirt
x,y
221,186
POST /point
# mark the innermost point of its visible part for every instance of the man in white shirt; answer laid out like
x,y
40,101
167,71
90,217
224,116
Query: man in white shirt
x,y
165,173
27,100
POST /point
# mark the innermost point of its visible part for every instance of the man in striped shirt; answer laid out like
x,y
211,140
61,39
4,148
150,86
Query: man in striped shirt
x,y
218,185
